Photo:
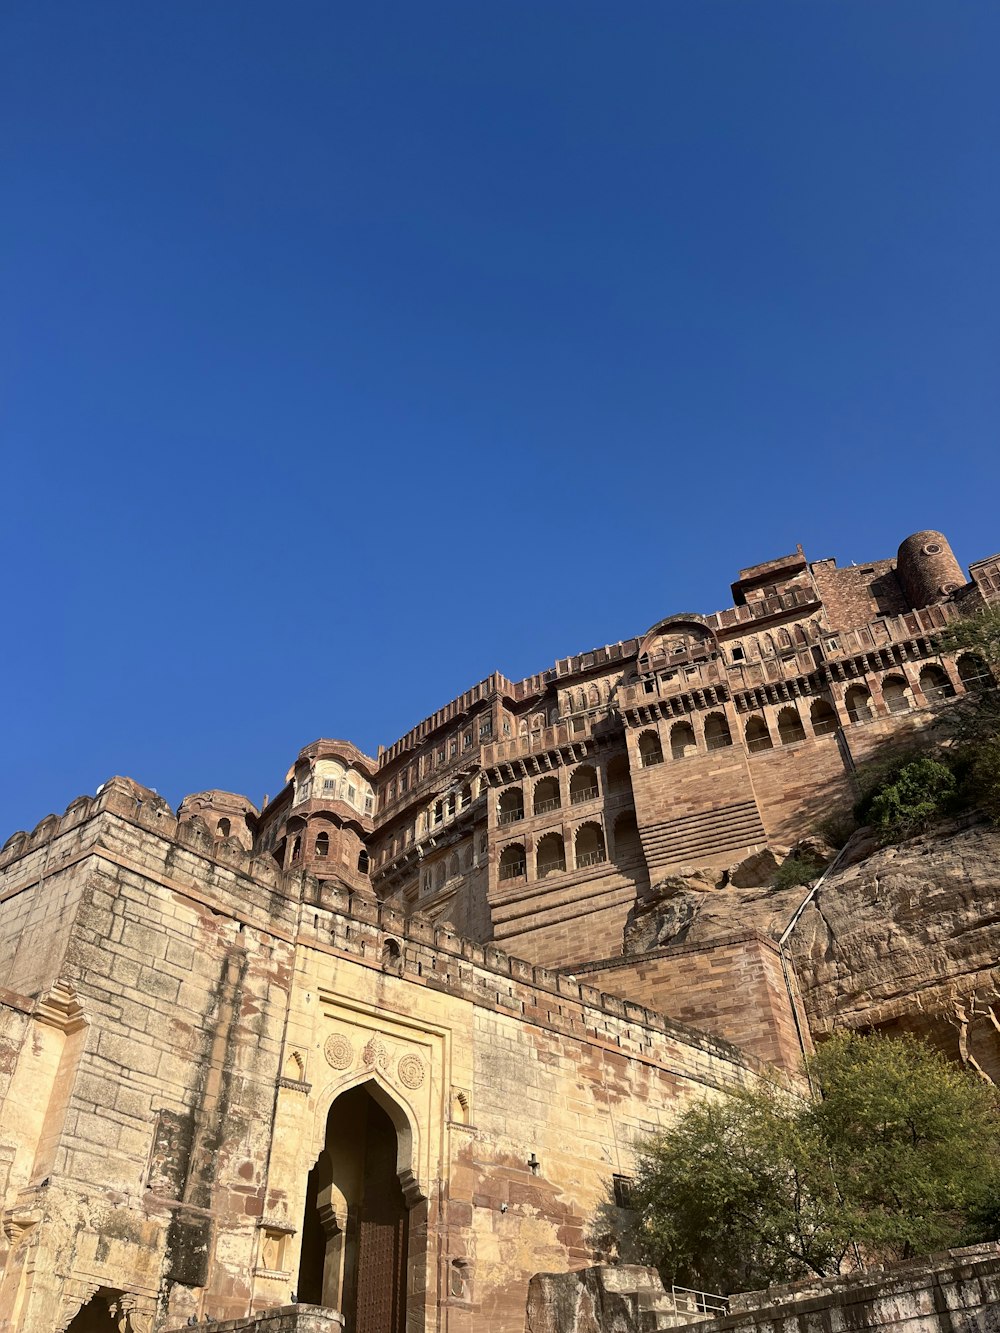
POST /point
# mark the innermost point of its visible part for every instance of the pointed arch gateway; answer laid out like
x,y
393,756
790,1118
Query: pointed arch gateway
x,y
358,1236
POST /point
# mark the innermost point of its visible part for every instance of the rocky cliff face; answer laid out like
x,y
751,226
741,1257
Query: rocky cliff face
x,y
900,938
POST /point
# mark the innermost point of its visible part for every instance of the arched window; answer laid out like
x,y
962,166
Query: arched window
x,y
510,807
363,862
583,784
790,728
323,844
650,749
619,778
895,694
392,955
973,672
297,849
223,828
935,683
682,742
822,717
758,736
717,733
466,796
593,696
512,862
522,727
626,837
550,854
454,869
859,703
589,846
546,795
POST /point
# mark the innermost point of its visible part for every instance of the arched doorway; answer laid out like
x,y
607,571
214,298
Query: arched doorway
x,y
95,1316
355,1228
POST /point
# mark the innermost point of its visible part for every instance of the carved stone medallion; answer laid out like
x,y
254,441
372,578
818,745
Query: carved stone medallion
x,y
338,1051
411,1071
375,1055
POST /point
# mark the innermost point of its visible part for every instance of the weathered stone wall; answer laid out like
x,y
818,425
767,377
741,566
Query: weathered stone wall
x,y
161,1121
955,1292
735,987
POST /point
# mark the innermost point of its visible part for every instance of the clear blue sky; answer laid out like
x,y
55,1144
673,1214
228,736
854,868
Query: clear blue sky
x,y
351,352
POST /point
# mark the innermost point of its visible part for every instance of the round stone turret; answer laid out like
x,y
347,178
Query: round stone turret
x,y
226,814
927,569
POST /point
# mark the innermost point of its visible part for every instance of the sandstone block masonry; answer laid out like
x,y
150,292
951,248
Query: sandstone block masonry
x,y
176,1048
373,1049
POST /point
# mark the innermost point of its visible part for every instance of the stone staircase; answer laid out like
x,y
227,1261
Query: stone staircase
x,y
623,1298
677,1308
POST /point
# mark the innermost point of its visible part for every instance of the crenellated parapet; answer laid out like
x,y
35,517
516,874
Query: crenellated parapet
x,y
131,826
378,934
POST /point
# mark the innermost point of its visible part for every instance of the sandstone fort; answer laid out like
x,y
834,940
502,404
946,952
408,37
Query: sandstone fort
x,y
378,1052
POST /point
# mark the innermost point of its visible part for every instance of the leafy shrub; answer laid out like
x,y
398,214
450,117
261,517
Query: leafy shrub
x,y
911,795
796,870
982,781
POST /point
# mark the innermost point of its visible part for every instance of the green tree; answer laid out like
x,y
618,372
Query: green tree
x,y
894,1157
917,793
974,722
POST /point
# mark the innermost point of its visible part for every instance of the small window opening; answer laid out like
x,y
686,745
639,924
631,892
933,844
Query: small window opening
x,y
623,1187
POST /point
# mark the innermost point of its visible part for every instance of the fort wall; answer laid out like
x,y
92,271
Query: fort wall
x,y
204,1021
737,988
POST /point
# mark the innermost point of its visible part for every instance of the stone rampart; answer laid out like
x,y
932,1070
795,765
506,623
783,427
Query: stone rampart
x,y
291,904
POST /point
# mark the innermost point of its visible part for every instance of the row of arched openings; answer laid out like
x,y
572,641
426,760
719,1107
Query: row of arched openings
x,y
682,740
934,683
447,868
588,848
321,850
546,796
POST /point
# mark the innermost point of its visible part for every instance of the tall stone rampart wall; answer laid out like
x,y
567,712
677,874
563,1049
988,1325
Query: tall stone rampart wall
x,y
737,987
203,1013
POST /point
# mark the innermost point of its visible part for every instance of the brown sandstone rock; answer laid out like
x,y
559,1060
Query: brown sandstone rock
x,y
757,870
908,939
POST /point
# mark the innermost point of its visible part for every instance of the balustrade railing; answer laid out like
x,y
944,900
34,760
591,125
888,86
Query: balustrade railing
x,y
760,743
717,742
547,867
586,794
590,859
509,816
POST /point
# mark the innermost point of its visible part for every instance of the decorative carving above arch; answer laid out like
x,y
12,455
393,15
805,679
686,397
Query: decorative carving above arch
x,y
675,641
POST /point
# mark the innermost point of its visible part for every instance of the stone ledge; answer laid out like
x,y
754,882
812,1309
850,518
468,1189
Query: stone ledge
x,y
282,1319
